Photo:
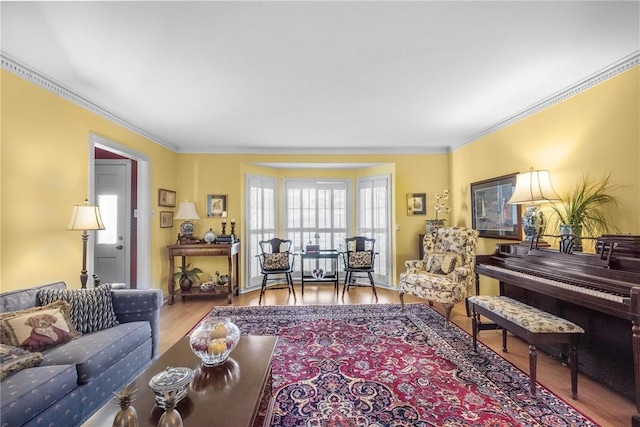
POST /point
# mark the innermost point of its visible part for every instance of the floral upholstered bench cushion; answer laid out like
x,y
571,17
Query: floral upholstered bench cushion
x,y
525,316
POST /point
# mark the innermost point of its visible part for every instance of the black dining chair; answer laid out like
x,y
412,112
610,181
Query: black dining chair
x,y
276,259
359,259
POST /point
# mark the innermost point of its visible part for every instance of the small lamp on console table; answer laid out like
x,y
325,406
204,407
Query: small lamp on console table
x,y
85,217
186,211
533,188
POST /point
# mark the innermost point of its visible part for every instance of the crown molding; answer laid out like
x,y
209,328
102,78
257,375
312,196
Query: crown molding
x,y
41,80
314,150
51,85
606,73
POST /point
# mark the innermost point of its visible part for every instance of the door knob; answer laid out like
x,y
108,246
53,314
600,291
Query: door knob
x,y
119,247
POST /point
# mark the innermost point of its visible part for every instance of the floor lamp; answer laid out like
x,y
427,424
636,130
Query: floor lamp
x,y
85,217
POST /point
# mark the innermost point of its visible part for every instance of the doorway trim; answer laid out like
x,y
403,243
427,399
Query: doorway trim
x,y
143,230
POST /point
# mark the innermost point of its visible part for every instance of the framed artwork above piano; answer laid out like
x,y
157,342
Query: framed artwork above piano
x,y
490,213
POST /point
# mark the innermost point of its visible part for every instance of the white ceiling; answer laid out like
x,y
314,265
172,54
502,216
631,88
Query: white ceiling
x,y
268,76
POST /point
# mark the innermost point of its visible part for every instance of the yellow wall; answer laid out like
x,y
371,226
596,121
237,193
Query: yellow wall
x,y
45,170
45,161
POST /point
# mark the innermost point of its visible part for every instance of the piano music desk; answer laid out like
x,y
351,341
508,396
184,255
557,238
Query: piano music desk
x,y
531,324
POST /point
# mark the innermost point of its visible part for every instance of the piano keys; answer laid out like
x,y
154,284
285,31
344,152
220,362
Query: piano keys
x,y
600,292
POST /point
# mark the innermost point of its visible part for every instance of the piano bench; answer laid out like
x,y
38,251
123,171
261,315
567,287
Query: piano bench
x,y
531,324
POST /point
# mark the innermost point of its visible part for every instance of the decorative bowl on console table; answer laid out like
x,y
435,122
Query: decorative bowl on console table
x,y
214,339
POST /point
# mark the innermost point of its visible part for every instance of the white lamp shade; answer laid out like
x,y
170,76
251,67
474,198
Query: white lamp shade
x,y
85,217
187,210
533,187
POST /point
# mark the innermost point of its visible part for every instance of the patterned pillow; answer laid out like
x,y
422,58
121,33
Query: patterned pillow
x,y
434,262
360,259
14,359
276,261
91,309
39,327
443,264
450,261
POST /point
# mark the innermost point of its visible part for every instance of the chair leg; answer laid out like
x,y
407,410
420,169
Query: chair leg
x,y
401,294
347,277
263,288
447,313
373,286
290,285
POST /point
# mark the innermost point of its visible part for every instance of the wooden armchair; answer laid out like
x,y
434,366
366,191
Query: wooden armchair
x,y
446,273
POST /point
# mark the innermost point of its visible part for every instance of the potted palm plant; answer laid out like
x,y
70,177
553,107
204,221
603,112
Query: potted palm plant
x,y
187,276
583,207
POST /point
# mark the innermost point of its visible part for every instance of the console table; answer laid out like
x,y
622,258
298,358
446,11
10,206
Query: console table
x,y
230,250
331,254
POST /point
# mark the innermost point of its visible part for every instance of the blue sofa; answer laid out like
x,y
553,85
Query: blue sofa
x,y
78,377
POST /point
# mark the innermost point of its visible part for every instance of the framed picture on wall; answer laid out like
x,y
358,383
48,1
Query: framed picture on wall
x,y
490,213
166,198
416,203
216,205
166,219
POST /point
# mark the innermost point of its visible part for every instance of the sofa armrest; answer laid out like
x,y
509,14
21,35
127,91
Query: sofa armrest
x,y
135,305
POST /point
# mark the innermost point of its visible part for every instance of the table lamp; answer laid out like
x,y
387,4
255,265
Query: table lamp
x,y
533,188
85,217
186,211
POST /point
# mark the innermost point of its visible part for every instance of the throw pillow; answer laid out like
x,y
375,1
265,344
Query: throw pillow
x,y
360,259
14,359
434,262
276,261
91,309
38,328
450,261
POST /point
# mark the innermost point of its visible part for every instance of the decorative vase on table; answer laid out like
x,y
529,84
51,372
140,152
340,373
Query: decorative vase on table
x,y
433,224
186,284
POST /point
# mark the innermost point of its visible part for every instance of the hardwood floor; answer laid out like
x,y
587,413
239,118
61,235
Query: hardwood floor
x,y
595,400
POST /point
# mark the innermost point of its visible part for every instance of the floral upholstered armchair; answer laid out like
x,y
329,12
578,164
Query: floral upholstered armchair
x,y
446,273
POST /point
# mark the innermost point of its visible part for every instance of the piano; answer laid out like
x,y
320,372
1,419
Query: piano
x,y
600,292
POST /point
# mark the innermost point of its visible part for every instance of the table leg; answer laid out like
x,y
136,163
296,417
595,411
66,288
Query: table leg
x,y
170,285
231,277
334,263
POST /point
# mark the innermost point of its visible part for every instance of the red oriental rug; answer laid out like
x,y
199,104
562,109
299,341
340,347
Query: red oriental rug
x,y
373,365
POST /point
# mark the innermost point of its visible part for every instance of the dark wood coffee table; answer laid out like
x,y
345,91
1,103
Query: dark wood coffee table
x,y
225,395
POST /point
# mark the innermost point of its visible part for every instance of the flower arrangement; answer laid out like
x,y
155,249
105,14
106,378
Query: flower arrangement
x,y
441,206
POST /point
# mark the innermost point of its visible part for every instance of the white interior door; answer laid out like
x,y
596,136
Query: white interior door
x,y
112,245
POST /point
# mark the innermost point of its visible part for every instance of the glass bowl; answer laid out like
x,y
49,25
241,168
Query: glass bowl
x,y
214,339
